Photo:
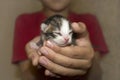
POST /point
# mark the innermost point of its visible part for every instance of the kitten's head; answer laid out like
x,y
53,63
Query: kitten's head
x,y
58,30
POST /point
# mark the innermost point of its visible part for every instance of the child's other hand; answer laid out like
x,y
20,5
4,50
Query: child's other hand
x,y
71,60
32,51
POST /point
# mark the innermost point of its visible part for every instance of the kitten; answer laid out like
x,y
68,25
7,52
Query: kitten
x,y
56,29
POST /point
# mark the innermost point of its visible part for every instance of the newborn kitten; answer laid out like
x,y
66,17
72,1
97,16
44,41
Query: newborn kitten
x,y
56,29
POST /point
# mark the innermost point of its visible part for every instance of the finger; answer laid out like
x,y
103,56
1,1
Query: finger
x,y
82,36
35,60
64,60
60,70
78,52
48,73
34,57
79,28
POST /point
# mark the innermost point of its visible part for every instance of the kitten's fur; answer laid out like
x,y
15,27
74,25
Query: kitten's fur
x,y
56,29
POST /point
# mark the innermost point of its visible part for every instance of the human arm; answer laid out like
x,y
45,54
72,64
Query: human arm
x,y
25,70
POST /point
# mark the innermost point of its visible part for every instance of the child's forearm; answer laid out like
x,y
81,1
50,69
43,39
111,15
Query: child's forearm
x,y
28,76
25,70
96,70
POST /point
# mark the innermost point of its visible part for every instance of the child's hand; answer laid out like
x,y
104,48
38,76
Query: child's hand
x,y
68,61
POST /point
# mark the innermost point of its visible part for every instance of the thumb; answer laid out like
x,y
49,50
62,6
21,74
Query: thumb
x,y
79,29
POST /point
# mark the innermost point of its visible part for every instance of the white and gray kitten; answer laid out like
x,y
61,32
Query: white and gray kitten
x,y
56,29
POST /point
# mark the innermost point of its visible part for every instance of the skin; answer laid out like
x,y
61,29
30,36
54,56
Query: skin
x,y
56,5
51,7
67,61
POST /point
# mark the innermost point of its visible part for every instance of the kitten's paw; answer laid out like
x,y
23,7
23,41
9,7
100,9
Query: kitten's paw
x,y
34,45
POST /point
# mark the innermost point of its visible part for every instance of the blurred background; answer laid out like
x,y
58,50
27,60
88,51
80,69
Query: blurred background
x,y
107,12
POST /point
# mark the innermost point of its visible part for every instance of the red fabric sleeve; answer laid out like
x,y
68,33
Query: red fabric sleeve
x,y
21,37
96,35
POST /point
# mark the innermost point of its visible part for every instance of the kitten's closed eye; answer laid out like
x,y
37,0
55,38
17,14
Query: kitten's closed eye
x,y
70,32
58,33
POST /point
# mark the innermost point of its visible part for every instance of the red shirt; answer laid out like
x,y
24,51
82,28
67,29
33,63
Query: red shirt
x,y
28,26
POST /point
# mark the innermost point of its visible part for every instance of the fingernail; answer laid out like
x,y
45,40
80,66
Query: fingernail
x,y
44,51
74,24
49,44
43,61
47,73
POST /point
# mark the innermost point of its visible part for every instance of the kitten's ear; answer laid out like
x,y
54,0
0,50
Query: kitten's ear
x,y
43,27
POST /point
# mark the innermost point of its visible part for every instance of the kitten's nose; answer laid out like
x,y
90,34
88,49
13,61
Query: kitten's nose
x,y
66,39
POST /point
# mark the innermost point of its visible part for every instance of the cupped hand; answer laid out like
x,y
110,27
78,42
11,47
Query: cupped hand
x,y
72,60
